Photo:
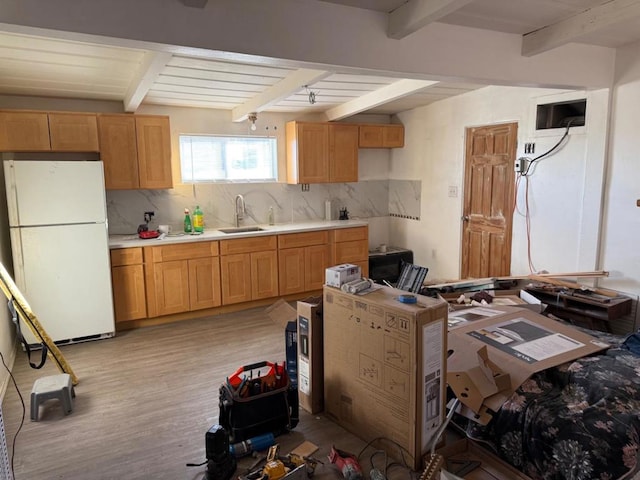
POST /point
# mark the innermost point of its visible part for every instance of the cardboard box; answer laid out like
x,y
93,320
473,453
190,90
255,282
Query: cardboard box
x,y
385,367
457,453
340,274
285,316
310,355
520,342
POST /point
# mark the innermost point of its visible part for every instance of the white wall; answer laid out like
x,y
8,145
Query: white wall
x,y
565,189
620,249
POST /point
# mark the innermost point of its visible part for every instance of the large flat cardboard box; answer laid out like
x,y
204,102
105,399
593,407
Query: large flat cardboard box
x,y
385,367
310,355
516,343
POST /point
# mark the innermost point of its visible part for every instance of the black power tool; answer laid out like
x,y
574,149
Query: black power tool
x,y
220,463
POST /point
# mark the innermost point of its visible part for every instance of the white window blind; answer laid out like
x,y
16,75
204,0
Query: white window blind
x,y
217,158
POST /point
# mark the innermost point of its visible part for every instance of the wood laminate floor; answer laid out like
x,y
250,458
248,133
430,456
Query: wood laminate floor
x,y
146,399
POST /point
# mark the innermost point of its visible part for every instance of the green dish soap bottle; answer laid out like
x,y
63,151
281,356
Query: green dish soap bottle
x,y
198,220
187,221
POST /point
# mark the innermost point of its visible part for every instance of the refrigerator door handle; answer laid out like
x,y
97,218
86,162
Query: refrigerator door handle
x,y
18,259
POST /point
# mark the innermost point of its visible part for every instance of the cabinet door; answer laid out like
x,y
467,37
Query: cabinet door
x,y
24,132
291,270
73,132
316,260
154,151
343,153
393,136
129,299
264,274
118,151
313,153
172,287
235,273
204,283
370,136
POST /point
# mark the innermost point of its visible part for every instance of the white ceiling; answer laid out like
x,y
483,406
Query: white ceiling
x,y
51,67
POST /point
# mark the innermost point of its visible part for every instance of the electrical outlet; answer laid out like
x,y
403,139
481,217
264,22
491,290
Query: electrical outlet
x,y
453,191
521,164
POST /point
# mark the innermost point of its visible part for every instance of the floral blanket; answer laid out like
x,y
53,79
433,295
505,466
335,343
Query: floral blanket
x,y
576,421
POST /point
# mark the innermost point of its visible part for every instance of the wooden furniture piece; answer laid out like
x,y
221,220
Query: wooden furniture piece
x,y
596,311
351,245
127,280
381,136
136,151
182,277
321,152
32,131
249,269
302,260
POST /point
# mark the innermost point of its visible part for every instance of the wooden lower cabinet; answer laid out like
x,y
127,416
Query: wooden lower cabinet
x,y
129,297
351,245
248,269
128,286
249,276
182,277
302,269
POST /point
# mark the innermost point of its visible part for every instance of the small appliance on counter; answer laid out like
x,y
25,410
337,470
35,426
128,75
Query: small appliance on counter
x,y
386,265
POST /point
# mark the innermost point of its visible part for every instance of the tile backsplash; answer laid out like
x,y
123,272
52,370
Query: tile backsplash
x,y
363,200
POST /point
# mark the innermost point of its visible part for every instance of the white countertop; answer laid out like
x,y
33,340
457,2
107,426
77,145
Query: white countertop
x,y
132,240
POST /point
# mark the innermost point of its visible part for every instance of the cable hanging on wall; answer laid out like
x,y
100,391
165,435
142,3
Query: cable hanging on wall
x,y
526,175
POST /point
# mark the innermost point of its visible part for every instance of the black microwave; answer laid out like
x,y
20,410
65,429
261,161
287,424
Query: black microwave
x,y
386,267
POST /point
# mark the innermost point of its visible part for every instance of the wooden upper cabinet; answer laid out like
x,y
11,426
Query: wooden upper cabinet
x,y
73,132
343,153
381,136
321,152
136,151
118,151
154,151
24,132
307,152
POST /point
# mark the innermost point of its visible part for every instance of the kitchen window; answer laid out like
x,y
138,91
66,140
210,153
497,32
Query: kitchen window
x,y
217,158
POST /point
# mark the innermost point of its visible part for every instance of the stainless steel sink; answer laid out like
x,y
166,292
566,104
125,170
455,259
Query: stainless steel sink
x,y
240,229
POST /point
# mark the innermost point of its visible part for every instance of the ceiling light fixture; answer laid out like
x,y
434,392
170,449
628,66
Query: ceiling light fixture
x,y
252,118
312,95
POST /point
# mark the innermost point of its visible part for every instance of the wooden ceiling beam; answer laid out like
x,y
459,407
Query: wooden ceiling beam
x,y
152,65
286,87
572,28
416,14
386,94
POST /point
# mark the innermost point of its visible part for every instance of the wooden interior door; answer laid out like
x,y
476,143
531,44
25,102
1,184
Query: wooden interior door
x,y
488,200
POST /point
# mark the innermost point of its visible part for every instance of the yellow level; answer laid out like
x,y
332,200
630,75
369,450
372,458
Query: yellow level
x,y
23,309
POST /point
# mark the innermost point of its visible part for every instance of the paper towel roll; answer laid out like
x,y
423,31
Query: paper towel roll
x,y
327,210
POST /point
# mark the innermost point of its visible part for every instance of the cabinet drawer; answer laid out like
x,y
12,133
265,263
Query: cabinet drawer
x,y
126,256
350,234
248,245
184,251
303,239
351,252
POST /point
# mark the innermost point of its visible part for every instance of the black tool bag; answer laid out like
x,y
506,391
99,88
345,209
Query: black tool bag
x,y
258,399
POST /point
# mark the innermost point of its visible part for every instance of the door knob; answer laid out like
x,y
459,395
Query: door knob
x,y
465,218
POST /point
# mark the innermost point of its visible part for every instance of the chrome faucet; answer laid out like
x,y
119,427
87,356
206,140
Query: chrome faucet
x,y
239,211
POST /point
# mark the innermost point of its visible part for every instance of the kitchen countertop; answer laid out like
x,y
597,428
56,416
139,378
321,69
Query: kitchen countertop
x,y
132,240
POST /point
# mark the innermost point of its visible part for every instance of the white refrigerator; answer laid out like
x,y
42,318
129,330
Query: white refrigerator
x,y
59,240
